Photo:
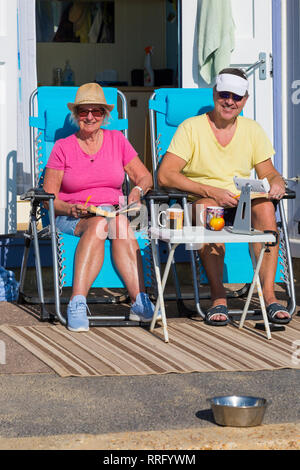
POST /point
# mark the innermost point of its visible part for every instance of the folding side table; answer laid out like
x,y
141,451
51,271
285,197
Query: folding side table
x,y
194,236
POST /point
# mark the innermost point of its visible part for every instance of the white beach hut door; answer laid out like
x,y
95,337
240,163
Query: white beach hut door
x,y
253,39
253,20
8,114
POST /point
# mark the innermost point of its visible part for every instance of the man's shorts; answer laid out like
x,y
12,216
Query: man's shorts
x,y
229,215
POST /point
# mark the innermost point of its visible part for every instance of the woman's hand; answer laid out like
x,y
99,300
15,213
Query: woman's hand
x,y
78,211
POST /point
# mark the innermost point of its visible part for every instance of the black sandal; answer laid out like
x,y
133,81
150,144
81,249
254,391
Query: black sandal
x,y
272,311
217,310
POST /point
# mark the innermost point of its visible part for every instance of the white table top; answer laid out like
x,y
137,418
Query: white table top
x,y
204,235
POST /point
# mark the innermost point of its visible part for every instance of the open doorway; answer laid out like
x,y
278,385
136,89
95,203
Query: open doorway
x,y
107,36
105,41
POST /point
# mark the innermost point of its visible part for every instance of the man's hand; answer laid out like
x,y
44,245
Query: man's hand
x,y
266,169
277,190
223,197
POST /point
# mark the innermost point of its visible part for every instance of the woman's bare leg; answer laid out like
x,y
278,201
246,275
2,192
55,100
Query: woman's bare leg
x,y
89,253
127,255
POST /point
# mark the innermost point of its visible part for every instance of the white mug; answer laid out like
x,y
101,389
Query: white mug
x,y
173,218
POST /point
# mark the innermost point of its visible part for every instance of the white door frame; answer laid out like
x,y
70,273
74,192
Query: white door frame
x,y
291,113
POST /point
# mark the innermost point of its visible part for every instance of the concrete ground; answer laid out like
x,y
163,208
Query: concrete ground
x,y
39,410
43,411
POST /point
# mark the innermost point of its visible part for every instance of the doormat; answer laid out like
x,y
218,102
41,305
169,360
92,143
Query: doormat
x,y
193,347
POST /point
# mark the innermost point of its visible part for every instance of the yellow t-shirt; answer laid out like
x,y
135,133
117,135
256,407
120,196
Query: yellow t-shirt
x,y
208,162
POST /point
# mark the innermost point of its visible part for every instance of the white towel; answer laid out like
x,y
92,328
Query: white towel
x,y
215,37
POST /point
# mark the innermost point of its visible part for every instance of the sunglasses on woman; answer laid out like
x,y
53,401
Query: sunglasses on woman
x,y
96,112
225,95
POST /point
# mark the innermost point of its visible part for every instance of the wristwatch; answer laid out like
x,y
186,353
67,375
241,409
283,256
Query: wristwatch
x,y
140,190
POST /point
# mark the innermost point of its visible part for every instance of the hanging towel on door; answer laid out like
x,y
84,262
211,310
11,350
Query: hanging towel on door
x,y
215,37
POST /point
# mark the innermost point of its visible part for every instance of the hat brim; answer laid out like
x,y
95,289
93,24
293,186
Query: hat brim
x,y
232,83
73,106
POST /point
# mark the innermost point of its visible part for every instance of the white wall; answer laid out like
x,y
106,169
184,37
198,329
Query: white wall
x,y
8,114
190,74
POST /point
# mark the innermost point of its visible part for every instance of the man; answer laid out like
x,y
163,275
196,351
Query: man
x,y
204,155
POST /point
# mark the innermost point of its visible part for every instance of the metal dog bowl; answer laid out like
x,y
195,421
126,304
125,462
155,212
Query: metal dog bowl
x,y
238,411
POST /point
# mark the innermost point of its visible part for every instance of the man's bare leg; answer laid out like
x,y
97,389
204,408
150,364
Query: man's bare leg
x,y
212,258
263,218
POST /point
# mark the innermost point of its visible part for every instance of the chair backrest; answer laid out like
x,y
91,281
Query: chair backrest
x,y
169,107
50,120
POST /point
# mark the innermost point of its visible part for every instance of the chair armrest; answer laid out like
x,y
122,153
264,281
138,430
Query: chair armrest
x,y
289,194
165,194
156,194
37,194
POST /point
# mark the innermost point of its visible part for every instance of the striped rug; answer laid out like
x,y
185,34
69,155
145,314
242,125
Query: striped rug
x,y
193,347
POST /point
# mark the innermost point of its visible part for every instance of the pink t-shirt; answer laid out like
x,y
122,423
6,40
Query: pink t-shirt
x,y
100,176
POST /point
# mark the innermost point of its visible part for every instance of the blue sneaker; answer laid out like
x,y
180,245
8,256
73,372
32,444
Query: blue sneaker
x,y
143,309
77,316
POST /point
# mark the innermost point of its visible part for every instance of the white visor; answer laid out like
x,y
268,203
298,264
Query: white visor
x,y
232,83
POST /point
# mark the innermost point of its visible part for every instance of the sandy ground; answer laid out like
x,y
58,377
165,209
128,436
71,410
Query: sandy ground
x,y
265,437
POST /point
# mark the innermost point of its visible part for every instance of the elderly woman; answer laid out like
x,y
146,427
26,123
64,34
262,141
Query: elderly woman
x,y
93,161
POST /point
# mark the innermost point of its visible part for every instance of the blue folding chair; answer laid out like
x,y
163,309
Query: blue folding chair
x,y
49,121
167,109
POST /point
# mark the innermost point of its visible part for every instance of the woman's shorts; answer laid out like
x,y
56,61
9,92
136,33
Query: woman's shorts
x,y
67,224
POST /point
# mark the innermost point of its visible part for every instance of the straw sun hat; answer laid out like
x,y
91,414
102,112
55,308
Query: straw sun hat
x,y
90,93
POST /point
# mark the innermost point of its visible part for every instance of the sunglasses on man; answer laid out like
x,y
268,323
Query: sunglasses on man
x,y
225,95
96,112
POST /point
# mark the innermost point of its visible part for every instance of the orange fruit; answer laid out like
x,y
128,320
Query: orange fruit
x,y
217,223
